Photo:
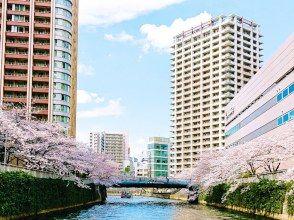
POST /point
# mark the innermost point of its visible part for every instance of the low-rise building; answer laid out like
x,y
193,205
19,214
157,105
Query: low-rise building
x,y
266,101
158,151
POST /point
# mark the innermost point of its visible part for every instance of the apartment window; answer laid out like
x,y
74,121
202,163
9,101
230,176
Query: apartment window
x,y
60,75
61,108
62,65
17,29
18,18
65,2
58,118
63,12
63,22
61,97
62,54
17,7
62,86
63,33
62,43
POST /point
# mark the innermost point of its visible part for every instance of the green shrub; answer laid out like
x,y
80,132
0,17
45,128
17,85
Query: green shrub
x,y
266,195
21,193
291,204
216,193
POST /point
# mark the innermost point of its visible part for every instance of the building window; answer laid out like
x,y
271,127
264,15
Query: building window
x,y
286,117
291,88
282,95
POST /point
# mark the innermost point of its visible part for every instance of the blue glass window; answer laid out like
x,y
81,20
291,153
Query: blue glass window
x,y
291,88
280,120
291,115
285,93
279,97
286,118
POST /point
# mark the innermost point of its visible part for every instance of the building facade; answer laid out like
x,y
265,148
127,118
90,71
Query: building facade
x,y
38,58
210,64
158,151
113,144
266,102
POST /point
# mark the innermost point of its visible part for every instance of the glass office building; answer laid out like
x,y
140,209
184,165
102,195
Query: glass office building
x,y
158,151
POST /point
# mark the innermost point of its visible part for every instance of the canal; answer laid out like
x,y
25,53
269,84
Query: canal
x,y
149,208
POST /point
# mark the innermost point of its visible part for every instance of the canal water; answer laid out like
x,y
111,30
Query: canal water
x,y
141,208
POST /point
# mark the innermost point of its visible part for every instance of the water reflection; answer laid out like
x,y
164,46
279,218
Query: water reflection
x,y
150,208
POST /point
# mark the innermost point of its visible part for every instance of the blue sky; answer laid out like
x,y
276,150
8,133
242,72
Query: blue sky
x,y
123,77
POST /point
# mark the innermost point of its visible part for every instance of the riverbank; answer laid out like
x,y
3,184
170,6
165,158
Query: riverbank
x,y
23,196
269,198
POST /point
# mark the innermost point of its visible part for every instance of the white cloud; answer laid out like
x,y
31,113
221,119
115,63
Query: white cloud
x,y
161,37
113,108
85,97
105,12
121,37
85,69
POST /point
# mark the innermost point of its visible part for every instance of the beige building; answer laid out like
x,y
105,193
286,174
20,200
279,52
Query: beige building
x,y
38,58
210,64
113,144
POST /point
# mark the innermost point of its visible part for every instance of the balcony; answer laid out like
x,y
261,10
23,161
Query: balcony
x,y
16,55
17,66
16,78
43,14
42,25
40,111
19,23
41,79
17,44
15,99
42,35
11,12
40,100
15,88
41,68
17,34
43,3
42,46
24,2
41,89
41,57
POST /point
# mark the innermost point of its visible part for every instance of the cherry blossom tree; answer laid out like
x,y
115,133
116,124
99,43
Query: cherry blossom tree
x,y
44,146
266,154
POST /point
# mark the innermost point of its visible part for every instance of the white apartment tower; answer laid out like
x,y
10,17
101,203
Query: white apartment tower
x,y
210,64
113,144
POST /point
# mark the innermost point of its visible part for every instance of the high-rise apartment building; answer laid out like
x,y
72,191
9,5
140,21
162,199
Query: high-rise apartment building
x,y
210,64
113,144
38,58
158,152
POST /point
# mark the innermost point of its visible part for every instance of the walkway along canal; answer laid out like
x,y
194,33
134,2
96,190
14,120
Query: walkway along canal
x,y
141,208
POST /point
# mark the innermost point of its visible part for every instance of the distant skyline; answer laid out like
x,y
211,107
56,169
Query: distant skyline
x,y
124,66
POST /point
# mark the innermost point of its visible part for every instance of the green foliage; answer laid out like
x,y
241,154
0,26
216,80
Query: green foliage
x,y
246,174
291,204
21,193
216,193
266,195
127,169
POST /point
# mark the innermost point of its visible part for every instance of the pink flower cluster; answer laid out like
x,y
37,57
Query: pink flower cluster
x,y
45,147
